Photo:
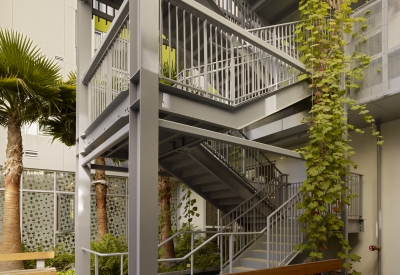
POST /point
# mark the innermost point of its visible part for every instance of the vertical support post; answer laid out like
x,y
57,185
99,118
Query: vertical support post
x,y
385,46
143,137
345,207
379,198
82,176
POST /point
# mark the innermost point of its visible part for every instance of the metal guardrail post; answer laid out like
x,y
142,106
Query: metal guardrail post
x,y
96,265
230,253
192,256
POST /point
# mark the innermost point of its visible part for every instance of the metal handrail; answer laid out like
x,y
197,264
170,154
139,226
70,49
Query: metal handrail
x,y
274,26
221,234
98,254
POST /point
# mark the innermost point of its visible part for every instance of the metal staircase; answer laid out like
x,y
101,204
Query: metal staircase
x,y
225,175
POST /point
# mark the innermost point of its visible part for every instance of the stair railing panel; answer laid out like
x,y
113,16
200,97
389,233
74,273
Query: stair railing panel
x,y
200,55
280,36
252,216
355,185
239,12
251,165
108,73
284,232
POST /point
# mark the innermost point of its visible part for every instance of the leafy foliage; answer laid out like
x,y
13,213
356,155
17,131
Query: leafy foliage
x,y
189,210
109,265
207,256
322,37
61,125
68,272
27,80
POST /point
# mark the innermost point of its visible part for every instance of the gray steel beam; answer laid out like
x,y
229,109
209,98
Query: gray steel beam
x,y
226,25
82,176
143,138
109,143
180,103
206,134
109,168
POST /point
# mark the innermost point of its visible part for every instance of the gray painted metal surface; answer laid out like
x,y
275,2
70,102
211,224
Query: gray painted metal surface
x,y
193,131
82,176
143,129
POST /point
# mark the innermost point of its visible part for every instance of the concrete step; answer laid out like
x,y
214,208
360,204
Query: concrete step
x,y
242,269
256,263
284,238
262,254
273,246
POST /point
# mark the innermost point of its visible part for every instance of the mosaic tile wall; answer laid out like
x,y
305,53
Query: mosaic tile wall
x,y
1,200
116,209
1,210
38,209
65,182
66,212
38,180
66,240
38,220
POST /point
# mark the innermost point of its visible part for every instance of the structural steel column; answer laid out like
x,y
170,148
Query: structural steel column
x,y
143,137
82,176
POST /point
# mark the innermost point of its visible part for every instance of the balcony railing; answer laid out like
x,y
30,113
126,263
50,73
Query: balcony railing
x,y
280,36
199,53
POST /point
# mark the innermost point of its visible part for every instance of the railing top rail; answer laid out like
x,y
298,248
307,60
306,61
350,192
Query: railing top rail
x,y
187,232
104,254
274,26
283,205
223,23
108,40
208,240
363,6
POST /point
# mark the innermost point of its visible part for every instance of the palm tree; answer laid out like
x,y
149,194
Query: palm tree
x,y
165,223
62,127
27,92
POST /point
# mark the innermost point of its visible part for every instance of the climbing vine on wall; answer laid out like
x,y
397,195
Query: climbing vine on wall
x,y
321,37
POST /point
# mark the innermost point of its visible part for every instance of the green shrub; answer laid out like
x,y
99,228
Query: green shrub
x,y
109,265
207,256
68,272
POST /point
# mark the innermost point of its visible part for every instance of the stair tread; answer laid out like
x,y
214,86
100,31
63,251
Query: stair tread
x,y
255,260
270,251
243,268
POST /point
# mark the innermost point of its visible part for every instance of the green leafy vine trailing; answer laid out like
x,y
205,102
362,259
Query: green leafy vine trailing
x,y
321,37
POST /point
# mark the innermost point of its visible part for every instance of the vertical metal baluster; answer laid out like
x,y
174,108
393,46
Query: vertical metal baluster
x,y
198,57
216,56
205,59
177,42
161,32
192,256
184,50
191,74
169,40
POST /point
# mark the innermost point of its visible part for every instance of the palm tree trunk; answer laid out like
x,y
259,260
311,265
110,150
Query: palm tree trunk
x,y
11,231
101,201
164,192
